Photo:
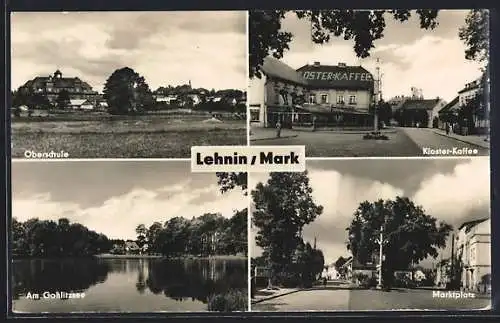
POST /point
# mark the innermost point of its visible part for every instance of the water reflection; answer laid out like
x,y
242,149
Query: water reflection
x,y
135,284
38,276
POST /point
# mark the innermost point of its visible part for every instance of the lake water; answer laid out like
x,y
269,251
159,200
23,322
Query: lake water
x,y
124,285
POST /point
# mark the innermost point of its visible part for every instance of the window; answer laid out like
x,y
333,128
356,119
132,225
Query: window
x,y
312,98
352,99
340,99
324,98
254,115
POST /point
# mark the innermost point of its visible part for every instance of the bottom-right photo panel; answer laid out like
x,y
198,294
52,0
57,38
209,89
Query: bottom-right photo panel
x,y
372,234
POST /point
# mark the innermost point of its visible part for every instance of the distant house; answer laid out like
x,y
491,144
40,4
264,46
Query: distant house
x,y
195,98
329,272
102,106
131,247
80,104
353,268
420,113
168,99
449,113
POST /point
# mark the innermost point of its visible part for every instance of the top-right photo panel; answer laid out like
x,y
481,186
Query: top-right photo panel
x,y
370,83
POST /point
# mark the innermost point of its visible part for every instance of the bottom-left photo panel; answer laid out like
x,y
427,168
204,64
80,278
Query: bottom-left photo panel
x,y
127,237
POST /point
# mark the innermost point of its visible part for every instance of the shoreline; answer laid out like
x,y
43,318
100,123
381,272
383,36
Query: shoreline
x,y
111,256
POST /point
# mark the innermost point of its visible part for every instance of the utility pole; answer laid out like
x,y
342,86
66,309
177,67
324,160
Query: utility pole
x,y
377,98
380,241
452,263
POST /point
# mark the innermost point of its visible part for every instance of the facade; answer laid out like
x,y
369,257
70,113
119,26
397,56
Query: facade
x,y
468,98
81,104
50,87
329,272
328,95
474,253
449,113
276,94
420,113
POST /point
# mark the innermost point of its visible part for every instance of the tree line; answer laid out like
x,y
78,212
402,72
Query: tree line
x,y
209,234
47,238
127,92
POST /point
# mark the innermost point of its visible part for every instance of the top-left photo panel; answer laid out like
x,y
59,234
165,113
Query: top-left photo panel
x,y
127,84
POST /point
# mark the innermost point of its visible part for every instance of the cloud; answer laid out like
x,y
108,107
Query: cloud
x,y
454,196
433,60
118,216
460,196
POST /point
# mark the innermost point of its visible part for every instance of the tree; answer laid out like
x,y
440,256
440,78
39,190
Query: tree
x,y
266,36
141,235
63,99
476,35
384,112
283,206
339,266
228,181
410,234
35,238
126,92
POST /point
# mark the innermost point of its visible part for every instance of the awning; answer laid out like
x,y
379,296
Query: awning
x,y
318,109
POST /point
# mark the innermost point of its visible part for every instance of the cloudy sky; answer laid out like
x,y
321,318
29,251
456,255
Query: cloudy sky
x,y
113,197
409,56
208,48
451,190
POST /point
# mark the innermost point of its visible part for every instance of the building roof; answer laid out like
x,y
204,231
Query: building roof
x,y
452,106
78,101
419,104
329,110
337,76
57,82
131,244
470,86
470,224
275,68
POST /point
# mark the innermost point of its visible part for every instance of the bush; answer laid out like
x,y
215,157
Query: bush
x,y
231,301
375,136
364,280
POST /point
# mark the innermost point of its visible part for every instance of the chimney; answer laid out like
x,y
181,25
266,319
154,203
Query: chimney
x,y
342,65
317,64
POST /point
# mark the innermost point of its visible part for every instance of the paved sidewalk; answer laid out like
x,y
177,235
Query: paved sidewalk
x,y
267,294
471,139
261,133
270,133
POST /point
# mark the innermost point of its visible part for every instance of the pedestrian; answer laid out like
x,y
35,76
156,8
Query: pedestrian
x,y
324,281
447,128
278,129
314,123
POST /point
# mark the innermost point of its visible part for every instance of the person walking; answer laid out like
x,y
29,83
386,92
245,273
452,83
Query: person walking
x,y
447,126
278,129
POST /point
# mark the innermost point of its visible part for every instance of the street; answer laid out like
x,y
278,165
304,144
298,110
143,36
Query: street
x,y
335,299
403,142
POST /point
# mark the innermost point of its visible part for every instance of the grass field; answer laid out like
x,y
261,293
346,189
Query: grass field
x,y
130,137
